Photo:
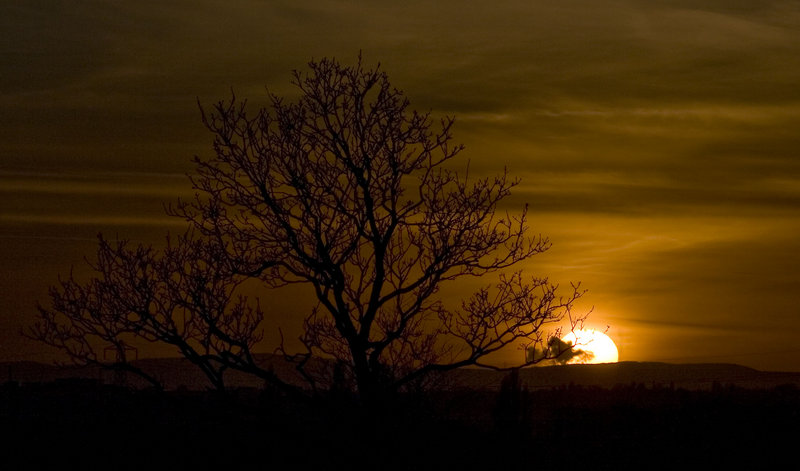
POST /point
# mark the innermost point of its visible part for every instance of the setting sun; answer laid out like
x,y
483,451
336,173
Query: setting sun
x,y
598,344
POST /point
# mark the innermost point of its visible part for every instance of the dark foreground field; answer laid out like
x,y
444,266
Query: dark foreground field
x,y
82,424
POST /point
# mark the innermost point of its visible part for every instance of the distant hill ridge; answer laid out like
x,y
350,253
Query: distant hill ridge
x,y
177,372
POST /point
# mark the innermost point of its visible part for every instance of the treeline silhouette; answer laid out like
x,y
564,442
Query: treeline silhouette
x,y
81,422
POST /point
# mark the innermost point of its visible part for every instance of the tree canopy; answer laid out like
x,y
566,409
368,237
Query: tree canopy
x,y
350,192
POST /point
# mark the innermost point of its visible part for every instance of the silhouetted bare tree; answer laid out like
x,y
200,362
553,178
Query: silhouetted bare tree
x,y
349,191
182,296
345,190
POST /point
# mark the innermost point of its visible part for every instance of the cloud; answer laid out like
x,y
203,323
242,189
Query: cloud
x,y
108,184
90,198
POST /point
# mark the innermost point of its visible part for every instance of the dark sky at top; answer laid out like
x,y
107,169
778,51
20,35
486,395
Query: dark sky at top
x,y
658,141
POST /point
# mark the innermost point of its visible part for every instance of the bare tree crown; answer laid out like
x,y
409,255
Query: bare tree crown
x,y
350,191
345,190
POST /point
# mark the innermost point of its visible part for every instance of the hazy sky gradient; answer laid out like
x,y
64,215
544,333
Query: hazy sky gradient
x,y
658,142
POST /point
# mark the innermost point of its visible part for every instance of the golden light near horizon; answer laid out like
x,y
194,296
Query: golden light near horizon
x,y
600,345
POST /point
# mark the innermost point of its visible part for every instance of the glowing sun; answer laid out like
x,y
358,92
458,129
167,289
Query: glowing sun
x,y
600,345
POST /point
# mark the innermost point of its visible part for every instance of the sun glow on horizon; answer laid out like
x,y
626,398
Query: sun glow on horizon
x,y
600,345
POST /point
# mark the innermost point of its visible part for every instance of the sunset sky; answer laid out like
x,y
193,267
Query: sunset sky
x,y
658,141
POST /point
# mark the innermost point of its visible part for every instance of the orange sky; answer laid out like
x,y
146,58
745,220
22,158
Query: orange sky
x,y
657,141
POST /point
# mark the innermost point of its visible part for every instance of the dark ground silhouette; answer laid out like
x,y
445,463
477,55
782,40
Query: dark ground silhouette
x,y
80,423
